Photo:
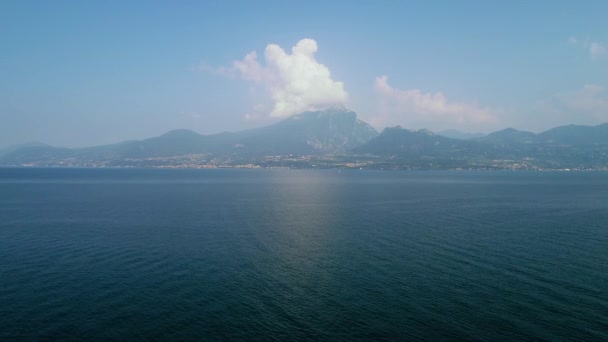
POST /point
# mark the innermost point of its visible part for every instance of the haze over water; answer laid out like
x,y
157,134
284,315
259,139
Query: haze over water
x,y
302,255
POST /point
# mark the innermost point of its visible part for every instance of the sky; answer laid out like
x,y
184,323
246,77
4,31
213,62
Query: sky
x,y
82,73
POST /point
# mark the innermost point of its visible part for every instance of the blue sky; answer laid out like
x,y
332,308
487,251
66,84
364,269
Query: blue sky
x,y
79,73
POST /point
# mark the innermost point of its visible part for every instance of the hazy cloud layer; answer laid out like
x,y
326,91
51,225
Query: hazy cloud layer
x,y
295,81
591,101
416,109
585,106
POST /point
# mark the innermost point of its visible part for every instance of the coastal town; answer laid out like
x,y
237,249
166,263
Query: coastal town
x,y
363,162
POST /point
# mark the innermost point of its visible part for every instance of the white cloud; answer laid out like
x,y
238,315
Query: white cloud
x,y
416,109
295,81
572,40
597,50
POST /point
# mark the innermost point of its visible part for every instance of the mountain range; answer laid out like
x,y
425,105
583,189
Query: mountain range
x,y
336,138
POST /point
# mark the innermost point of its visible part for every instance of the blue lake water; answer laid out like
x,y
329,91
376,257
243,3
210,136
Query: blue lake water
x,y
302,255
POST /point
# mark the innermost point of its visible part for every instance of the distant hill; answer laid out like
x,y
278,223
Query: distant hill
x,y
172,143
509,136
335,138
34,154
397,141
456,134
320,132
12,148
309,133
573,135
576,135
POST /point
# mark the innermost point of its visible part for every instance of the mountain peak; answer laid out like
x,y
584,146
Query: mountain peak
x,y
327,111
326,115
337,108
332,130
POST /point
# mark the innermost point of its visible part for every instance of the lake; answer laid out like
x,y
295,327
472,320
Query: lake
x,y
303,254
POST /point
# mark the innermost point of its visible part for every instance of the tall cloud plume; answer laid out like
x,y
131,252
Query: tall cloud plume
x,y
295,81
416,109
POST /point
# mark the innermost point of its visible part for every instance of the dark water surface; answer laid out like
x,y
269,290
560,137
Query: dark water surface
x,y
302,255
